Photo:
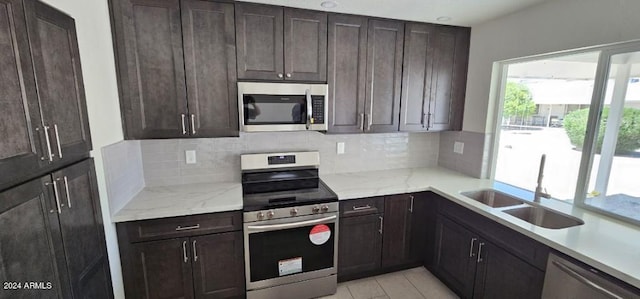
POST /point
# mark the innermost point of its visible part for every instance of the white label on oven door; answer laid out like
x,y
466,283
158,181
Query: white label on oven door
x,y
290,266
320,234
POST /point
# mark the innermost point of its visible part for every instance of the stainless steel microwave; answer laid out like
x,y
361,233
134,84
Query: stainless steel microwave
x,y
268,107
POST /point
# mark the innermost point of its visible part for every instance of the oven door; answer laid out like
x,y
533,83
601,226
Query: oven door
x,y
292,249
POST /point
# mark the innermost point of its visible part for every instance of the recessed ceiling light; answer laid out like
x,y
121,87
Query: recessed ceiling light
x,y
328,4
443,19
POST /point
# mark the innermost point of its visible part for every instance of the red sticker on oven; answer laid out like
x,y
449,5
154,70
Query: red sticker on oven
x,y
320,234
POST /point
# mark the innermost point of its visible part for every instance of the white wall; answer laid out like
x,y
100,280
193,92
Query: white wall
x,y
552,26
98,69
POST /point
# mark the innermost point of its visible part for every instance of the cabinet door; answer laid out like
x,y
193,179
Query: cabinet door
x,y
161,269
396,240
384,74
502,275
27,250
20,149
148,41
456,256
416,76
423,227
259,33
359,244
218,265
347,73
80,222
305,45
449,78
210,66
56,62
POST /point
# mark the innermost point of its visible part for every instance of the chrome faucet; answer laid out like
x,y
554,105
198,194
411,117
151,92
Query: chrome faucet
x,y
539,193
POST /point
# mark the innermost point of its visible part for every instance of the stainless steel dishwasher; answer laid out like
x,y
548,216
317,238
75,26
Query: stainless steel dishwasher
x,y
572,279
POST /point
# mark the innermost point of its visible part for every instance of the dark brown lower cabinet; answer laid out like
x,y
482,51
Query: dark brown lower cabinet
x,y
473,266
382,234
194,264
55,235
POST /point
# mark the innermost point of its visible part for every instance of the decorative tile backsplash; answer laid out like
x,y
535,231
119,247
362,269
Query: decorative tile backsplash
x,y
123,172
218,159
475,158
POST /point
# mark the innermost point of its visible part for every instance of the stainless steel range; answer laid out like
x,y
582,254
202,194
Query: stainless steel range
x,y
290,227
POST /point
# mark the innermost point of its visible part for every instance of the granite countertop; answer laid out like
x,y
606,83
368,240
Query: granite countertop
x,y
602,242
181,200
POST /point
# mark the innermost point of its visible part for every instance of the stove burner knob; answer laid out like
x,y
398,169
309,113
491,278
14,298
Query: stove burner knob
x,y
260,215
325,208
294,212
270,214
315,210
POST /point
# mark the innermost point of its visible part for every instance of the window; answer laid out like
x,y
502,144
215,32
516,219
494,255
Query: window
x,y
582,111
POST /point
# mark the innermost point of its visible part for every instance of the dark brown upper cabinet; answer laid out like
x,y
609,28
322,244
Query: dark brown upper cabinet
x,y
434,78
20,148
384,75
44,119
276,43
54,49
347,67
176,68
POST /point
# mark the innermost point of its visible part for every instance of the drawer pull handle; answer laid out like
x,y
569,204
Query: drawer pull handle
x,y
361,208
181,228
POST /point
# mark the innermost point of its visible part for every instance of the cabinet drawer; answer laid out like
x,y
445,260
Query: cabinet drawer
x,y
183,226
362,206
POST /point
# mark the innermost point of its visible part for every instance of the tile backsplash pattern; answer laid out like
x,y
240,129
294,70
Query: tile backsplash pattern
x,y
475,158
218,159
123,171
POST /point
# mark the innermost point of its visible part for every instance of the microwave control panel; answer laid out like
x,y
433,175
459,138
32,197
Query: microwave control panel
x,y
317,102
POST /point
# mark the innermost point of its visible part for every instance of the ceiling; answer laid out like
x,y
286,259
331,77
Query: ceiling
x,y
461,12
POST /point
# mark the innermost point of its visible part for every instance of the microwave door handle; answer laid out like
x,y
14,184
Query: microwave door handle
x,y
266,228
309,108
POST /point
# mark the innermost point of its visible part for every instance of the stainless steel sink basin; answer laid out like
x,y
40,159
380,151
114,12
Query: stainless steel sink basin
x,y
493,198
543,217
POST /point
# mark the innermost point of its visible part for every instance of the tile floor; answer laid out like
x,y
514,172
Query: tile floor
x,y
416,283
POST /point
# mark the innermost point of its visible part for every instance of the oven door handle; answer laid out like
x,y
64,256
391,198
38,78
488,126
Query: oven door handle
x,y
266,228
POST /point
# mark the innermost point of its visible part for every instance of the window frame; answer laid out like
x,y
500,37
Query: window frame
x,y
496,100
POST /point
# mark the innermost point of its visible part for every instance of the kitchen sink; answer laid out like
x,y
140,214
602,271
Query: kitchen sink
x,y
493,198
543,217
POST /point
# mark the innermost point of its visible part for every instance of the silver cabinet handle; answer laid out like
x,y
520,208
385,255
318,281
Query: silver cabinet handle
x,y
381,223
280,75
184,128
362,121
181,228
429,120
184,251
193,124
48,140
57,196
289,75
66,189
369,122
480,252
361,208
411,206
55,129
195,252
585,280
266,228
471,253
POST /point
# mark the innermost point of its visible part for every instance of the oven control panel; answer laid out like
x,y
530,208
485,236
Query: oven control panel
x,y
314,209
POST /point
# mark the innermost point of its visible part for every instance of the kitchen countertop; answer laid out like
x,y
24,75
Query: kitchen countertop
x,y
602,242
181,200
